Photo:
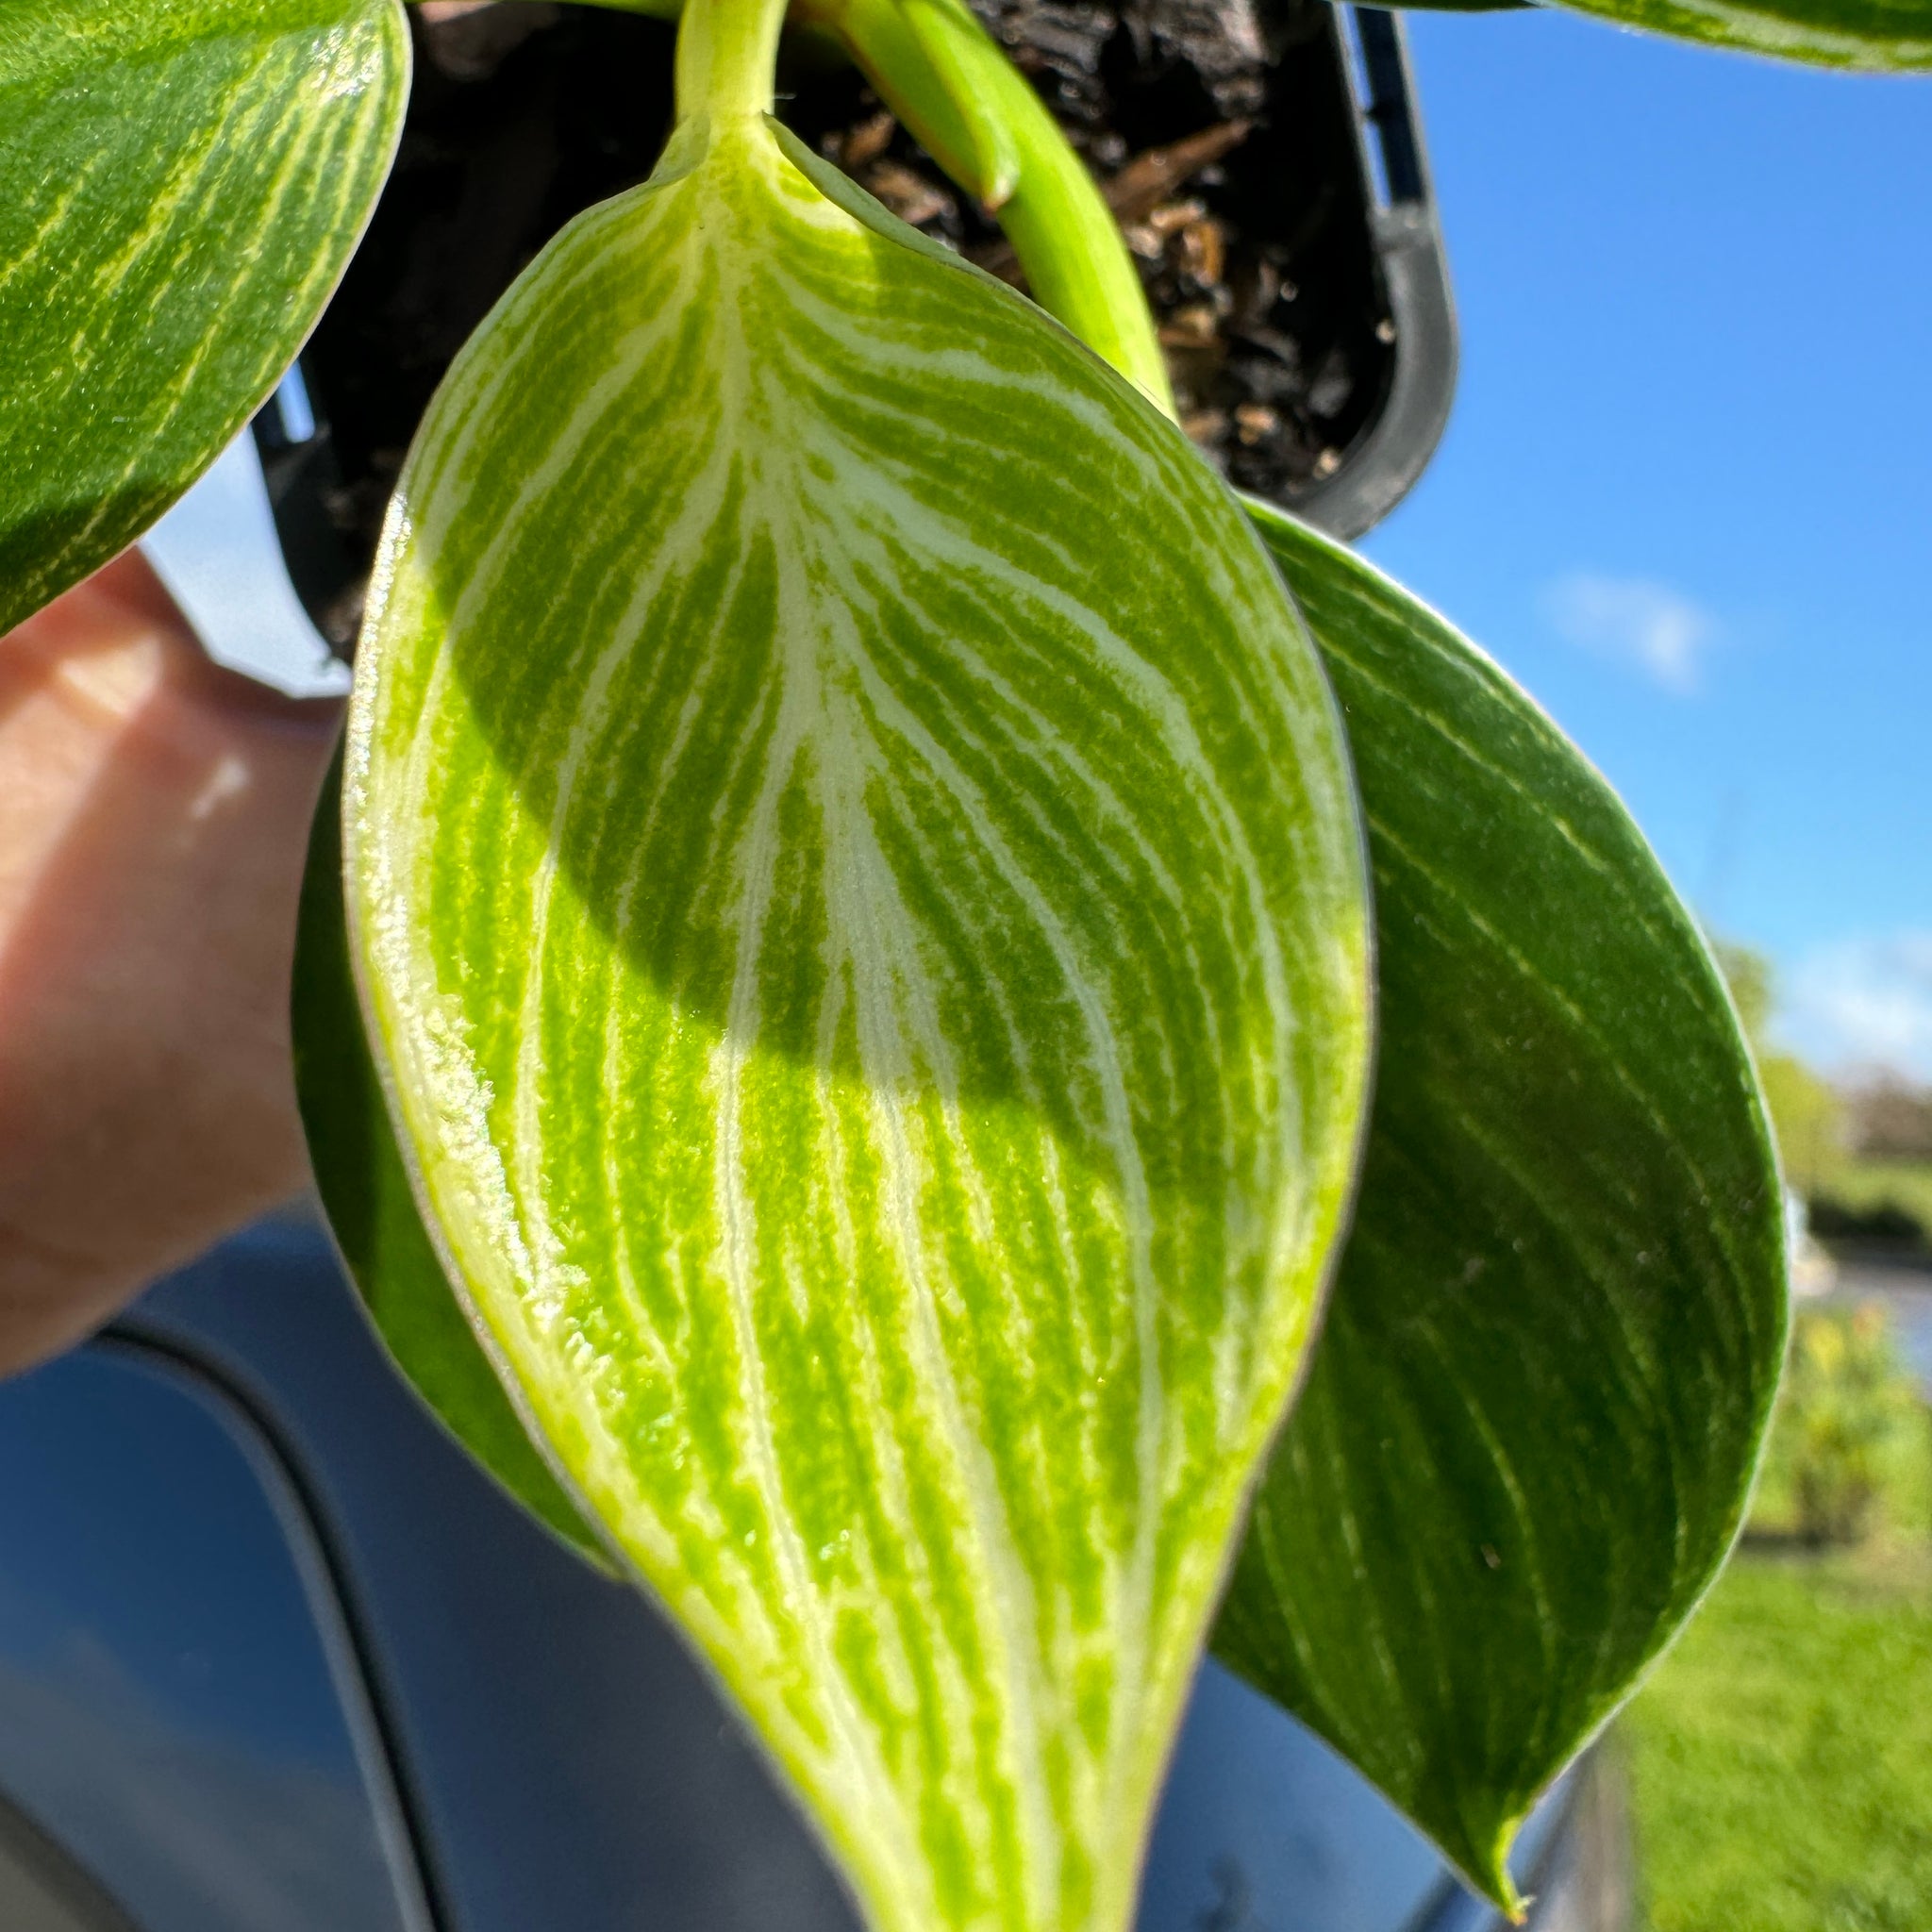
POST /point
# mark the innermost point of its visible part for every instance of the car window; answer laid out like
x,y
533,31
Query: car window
x,y
1265,1829
179,1708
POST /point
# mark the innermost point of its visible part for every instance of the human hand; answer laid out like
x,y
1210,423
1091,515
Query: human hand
x,y
154,813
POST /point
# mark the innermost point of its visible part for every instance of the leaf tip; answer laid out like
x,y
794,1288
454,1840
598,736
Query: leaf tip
x,y
1487,1872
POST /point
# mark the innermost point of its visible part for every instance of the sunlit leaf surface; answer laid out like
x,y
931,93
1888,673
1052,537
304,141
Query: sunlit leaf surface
x,y
365,1189
181,185
1530,1422
856,881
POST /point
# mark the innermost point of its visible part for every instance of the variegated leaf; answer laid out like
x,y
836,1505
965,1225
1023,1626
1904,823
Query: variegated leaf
x,y
1530,1425
866,954
365,1191
1874,36
182,183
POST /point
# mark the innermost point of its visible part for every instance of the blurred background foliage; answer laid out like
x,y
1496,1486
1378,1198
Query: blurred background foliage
x,y
1850,1455
1779,1762
1858,1150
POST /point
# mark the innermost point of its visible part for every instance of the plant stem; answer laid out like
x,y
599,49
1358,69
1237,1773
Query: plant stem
x,y
727,59
944,77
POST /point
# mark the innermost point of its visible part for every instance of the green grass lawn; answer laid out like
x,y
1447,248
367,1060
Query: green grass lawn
x,y
1781,1757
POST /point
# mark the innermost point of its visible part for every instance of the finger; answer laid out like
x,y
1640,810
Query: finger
x,y
154,813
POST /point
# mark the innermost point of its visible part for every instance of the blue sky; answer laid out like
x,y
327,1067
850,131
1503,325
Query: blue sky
x,y
1685,495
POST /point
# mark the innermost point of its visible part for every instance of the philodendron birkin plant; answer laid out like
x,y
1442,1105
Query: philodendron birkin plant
x,y
838,991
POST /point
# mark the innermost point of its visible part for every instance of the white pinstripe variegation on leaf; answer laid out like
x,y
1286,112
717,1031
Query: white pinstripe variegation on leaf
x,y
1525,1441
182,183
1527,1438
857,888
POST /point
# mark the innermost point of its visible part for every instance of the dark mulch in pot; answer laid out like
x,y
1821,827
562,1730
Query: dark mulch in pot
x,y
1224,147
1218,132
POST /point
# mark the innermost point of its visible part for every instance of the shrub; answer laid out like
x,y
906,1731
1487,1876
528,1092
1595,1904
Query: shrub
x,y
1849,1420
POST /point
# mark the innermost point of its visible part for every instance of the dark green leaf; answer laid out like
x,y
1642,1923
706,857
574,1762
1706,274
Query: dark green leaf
x,y
181,184
1874,36
1524,1446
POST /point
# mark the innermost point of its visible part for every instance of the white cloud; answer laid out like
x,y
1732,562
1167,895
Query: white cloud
x,y
1646,626
1865,1004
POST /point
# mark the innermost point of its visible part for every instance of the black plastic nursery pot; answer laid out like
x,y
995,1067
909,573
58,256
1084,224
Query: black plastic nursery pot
x,y
1263,156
